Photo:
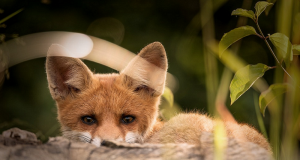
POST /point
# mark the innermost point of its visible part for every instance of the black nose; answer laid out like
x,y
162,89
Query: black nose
x,y
108,143
103,143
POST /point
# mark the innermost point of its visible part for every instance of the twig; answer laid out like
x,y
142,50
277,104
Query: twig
x,y
265,39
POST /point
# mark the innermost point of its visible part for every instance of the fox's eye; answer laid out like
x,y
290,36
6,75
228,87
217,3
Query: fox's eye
x,y
127,119
88,120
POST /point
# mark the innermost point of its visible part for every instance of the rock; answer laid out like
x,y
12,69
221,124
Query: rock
x,y
60,148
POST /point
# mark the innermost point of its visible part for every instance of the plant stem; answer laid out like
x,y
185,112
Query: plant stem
x,y
11,15
265,39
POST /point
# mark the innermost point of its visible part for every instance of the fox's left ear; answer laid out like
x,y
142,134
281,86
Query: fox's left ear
x,y
66,76
147,70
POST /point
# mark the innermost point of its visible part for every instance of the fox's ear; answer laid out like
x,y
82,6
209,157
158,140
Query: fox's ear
x,y
66,76
147,70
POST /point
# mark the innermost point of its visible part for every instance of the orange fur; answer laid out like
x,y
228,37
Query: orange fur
x,y
108,98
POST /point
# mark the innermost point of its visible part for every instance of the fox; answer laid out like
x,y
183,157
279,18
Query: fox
x,y
96,108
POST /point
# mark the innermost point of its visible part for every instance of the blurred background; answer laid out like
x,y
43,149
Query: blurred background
x,y
183,27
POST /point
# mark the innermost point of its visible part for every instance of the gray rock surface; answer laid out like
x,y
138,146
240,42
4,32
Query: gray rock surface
x,y
59,148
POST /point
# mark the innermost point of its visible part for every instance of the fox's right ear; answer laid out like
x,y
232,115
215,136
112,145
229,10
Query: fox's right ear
x,y
147,70
67,76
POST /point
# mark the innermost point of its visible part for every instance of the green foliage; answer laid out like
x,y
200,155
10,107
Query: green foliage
x,y
266,97
284,46
3,57
10,16
244,78
296,49
234,35
260,7
244,12
168,95
269,7
168,109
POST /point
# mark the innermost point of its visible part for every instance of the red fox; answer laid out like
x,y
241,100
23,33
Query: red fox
x,y
124,107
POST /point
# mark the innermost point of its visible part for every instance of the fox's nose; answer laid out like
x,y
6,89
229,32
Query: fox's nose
x,y
103,143
108,143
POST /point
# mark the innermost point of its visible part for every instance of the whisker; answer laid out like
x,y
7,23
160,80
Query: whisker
x,y
129,140
76,136
86,138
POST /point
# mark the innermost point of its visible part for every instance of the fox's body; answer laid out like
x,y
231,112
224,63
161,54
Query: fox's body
x,y
124,107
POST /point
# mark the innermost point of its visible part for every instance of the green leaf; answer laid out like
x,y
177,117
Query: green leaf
x,y
283,46
233,36
168,95
244,78
269,7
243,12
11,15
260,7
296,48
273,92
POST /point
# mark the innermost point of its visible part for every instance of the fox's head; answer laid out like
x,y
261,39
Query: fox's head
x,y
98,107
